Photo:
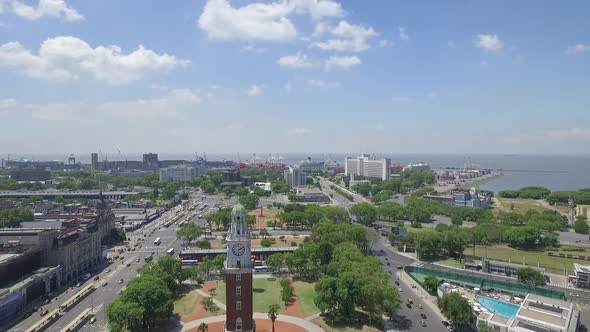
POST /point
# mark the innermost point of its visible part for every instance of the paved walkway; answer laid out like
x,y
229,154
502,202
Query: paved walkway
x,y
311,327
218,303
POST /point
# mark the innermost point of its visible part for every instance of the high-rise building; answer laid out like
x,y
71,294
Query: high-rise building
x,y
238,275
150,160
94,161
370,168
295,177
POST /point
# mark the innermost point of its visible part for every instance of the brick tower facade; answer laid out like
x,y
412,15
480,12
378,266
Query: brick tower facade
x,y
238,275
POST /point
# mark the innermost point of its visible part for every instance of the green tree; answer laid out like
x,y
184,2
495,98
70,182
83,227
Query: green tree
x,y
208,186
530,277
265,243
118,235
428,244
483,327
273,313
364,213
249,201
203,327
453,243
581,225
525,237
456,309
125,316
13,217
152,295
286,291
431,283
275,262
189,232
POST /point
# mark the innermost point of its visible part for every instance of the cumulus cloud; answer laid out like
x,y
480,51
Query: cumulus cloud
x,y
341,62
45,8
297,61
570,134
67,58
320,29
402,33
385,43
298,131
323,84
577,49
490,42
254,90
261,21
348,38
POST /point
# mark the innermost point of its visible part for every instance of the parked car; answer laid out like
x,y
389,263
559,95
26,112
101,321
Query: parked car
x,y
104,284
413,285
96,278
423,316
78,284
44,312
120,281
423,323
420,306
92,320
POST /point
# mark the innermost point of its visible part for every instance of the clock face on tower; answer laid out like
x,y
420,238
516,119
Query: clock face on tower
x,y
238,249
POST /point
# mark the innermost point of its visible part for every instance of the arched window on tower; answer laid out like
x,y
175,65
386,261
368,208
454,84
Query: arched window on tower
x,y
238,324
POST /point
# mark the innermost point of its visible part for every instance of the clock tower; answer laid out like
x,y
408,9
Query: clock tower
x,y
238,275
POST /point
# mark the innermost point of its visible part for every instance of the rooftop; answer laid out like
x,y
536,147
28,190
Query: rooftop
x,y
581,268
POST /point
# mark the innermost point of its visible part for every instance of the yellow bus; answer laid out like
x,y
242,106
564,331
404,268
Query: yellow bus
x,y
81,294
78,321
43,322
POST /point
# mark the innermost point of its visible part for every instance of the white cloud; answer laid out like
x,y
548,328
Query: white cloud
x,y
451,44
261,21
385,43
349,38
7,104
323,84
299,131
402,33
252,48
135,110
490,42
66,58
342,62
320,29
570,134
254,90
50,8
577,49
297,61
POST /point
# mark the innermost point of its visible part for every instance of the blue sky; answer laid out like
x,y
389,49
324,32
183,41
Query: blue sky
x,y
294,76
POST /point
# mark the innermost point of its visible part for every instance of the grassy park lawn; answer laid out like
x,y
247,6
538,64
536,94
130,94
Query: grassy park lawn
x,y
534,258
451,262
266,291
362,326
305,292
521,205
185,305
267,215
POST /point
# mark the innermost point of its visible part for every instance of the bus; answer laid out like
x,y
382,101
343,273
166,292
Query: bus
x,y
77,297
78,321
149,258
157,241
170,251
44,322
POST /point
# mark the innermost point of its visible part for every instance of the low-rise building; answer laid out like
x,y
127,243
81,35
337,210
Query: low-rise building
x,y
583,210
536,314
463,198
180,173
504,268
311,195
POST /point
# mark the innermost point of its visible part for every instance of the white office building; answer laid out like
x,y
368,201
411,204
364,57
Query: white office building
x,y
295,177
582,275
370,168
180,173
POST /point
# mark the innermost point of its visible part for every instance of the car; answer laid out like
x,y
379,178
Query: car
x,y
388,264
381,251
400,267
423,323
410,301
400,289
397,282
409,306
128,264
108,271
413,285
122,257
43,312
104,284
78,284
420,306
35,309
137,259
423,316
92,320
120,281
28,314
96,278
451,328
386,258
47,301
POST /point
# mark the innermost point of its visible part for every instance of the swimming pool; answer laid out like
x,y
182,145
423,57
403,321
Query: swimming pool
x,y
503,309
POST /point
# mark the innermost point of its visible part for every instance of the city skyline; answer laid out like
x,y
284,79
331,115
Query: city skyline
x,y
292,76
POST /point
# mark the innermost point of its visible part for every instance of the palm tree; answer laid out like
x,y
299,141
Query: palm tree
x,y
273,312
203,327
